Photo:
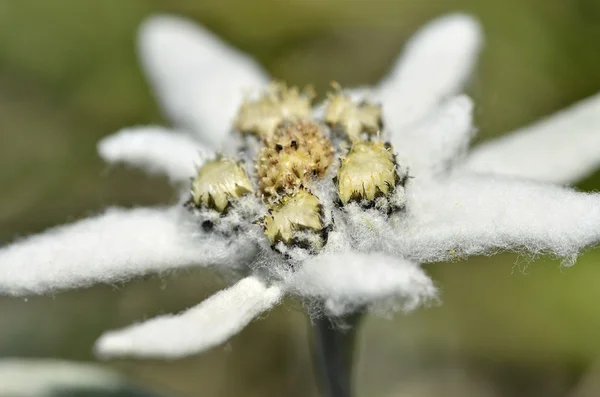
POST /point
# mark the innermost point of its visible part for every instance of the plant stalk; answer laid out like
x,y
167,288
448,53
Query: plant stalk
x,y
333,353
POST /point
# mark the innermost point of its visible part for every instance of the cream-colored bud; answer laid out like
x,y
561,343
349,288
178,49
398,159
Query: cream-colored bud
x,y
293,213
367,172
278,105
353,117
218,181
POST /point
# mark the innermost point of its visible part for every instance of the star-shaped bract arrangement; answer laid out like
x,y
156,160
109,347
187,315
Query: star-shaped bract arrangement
x,y
336,204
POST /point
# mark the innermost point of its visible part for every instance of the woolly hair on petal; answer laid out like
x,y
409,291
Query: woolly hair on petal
x,y
199,80
562,148
111,247
435,144
156,150
350,281
199,328
435,64
478,215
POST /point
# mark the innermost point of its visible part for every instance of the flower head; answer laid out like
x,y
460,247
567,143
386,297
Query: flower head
x,y
337,204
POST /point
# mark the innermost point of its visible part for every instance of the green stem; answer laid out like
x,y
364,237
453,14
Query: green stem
x,y
334,353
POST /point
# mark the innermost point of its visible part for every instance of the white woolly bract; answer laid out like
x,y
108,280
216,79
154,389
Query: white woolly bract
x,y
199,80
435,144
50,378
436,63
201,327
111,247
349,281
562,148
156,150
474,215
370,230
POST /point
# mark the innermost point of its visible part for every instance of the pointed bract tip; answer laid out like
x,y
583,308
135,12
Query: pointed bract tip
x,y
458,23
162,30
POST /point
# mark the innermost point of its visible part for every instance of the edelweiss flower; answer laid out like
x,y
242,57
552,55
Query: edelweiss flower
x,y
342,235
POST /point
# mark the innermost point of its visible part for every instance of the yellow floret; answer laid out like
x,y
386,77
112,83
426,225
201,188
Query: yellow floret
x,y
291,157
353,117
367,171
218,181
278,105
297,212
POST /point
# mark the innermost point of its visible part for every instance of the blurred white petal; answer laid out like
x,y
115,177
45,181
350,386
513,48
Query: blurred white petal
x,y
562,148
48,378
473,215
111,247
348,281
198,79
201,327
156,150
439,141
436,63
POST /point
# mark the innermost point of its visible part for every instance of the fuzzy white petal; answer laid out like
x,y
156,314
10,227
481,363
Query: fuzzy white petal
x,y
562,148
436,143
110,247
198,79
436,63
47,378
474,215
201,327
156,150
348,281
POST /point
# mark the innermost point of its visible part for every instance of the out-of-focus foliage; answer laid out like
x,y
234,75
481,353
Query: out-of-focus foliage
x,y
69,75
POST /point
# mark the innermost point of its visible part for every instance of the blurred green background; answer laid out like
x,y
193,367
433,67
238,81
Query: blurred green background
x,y
69,75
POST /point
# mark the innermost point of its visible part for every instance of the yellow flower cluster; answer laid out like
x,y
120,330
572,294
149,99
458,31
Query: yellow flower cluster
x,y
295,152
290,158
